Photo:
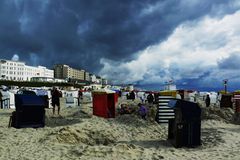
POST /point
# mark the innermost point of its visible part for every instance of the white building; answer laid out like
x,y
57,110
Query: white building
x,y
130,87
19,71
98,80
171,87
44,72
48,79
104,81
93,78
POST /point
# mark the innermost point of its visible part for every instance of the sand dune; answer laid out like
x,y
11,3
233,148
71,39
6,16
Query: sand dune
x,y
79,135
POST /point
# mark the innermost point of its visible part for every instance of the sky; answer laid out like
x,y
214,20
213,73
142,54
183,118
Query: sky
x,y
195,43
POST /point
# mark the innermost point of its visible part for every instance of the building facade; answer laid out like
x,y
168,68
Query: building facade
x,y
87,76
60,71
97,79
104,81
19,71
63,71
93,78
171,87
47,79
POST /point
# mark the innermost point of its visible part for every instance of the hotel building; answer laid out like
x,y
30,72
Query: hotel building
x,y
63,71
87,76
19,71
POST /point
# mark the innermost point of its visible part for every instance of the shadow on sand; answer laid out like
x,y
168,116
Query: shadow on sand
x,y
133,121
150,143
66,120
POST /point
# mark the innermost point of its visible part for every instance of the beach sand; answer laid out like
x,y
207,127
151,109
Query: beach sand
x,y
76,134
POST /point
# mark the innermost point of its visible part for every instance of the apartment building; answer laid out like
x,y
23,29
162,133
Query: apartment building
x,y
19,71
60,71
87,76
63,71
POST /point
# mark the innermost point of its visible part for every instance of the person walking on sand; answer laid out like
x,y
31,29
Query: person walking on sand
x,y
56,94
207,101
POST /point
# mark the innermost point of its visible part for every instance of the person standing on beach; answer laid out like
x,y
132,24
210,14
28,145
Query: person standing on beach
x,y
150,98
127,96
132,95
207,101
142,100
56,94
80,96
120,93
1,103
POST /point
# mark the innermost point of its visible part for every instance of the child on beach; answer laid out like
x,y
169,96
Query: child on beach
x,y
142,111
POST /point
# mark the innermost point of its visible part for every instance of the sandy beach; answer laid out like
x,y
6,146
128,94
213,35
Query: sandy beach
x,y
76,134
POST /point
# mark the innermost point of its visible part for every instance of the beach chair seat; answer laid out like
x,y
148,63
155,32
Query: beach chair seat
x,y
30,112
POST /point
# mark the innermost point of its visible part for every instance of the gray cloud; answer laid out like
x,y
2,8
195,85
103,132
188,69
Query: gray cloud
x,y
230,63
198,54
80,33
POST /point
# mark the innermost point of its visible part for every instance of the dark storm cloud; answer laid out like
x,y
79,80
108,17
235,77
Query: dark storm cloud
x,y
80,33
230,63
